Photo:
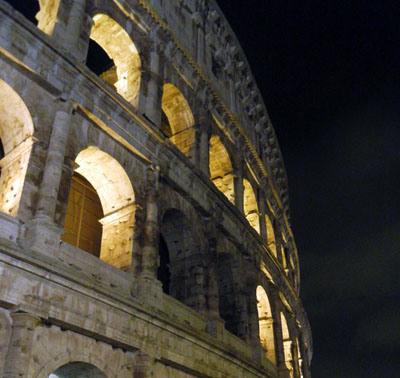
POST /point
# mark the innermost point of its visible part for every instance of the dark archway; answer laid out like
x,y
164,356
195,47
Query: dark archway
x,y
164,272
181,269
100,63
228,306
78,370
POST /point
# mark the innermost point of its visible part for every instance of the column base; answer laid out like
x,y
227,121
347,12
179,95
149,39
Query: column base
x,y
149,291
41,235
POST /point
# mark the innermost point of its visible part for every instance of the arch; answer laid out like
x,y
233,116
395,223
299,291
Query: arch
x,y
250,205
179,259
42,13
266,324
78,370
124,68
220,166
177,121
16,135
287,345
117,198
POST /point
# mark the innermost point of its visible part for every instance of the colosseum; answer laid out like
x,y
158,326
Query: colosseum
x,y
144,213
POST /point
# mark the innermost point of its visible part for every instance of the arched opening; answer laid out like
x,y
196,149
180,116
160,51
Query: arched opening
x,y
42,13
177,119
228,304
287,345
271,242
164,271
16,136
221,171
113,56
250,205
266,324
180,265
78,370
103,177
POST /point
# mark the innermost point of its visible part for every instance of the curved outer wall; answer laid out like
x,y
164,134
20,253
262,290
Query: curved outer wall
x,y
177,143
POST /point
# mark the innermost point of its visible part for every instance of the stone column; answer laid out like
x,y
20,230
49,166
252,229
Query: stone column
x,y
203,162
151,228
49,187
295,357
143,366
42,231
239,189
280,352
21,344
305,369
198,297
151,86
263,224
147,286
254,331
74,27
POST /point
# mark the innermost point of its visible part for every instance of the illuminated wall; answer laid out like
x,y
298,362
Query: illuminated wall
x,y
179,128
221,171
120,48
16,134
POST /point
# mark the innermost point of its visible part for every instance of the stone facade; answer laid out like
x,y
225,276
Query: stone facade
x,y
197,273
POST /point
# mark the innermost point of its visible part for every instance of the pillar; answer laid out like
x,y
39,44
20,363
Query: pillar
x,y
74,27
151,86
42,231
197,297
151,228
146,285
239,189
143,367
49,187
254,331
263,224
21,344
280,353
295,356
204,147
305,368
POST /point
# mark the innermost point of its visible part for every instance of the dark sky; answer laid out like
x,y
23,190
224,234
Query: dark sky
x,y
329,72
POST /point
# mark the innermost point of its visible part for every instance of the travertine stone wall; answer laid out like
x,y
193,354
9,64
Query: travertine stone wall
x,y
205,178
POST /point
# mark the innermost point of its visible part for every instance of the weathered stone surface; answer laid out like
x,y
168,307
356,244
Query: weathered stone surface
x,y
196,274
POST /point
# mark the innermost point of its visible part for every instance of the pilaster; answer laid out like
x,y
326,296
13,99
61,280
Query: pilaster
x,y
21,344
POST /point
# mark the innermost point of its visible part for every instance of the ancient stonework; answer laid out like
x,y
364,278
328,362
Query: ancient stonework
x,y
144,218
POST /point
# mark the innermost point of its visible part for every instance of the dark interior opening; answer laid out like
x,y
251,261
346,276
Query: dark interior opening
x,y
165,125
163,272
2,154
29,8
100,63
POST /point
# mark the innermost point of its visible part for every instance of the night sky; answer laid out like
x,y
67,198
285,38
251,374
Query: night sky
x,y
329,72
